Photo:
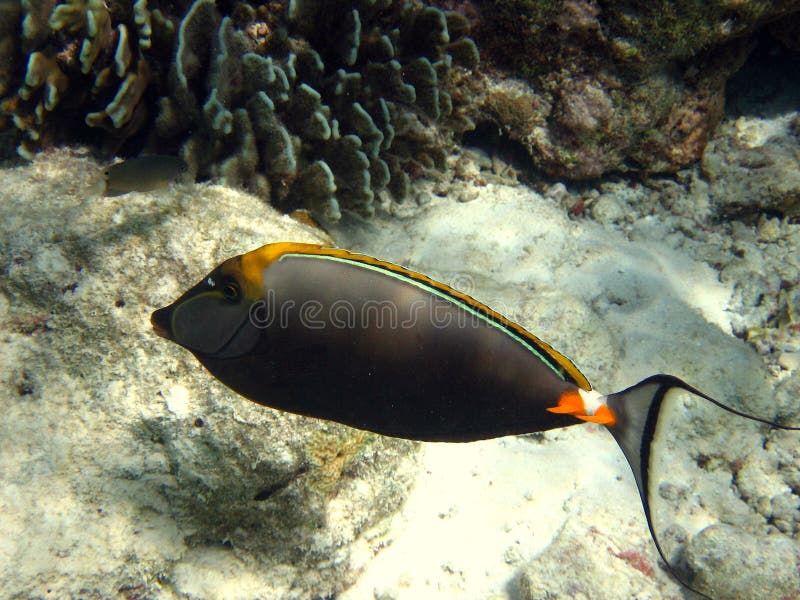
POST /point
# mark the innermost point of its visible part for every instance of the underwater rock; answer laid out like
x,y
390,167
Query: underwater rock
x,y
768,570
753,167
250,95
124,467
589,563
610,87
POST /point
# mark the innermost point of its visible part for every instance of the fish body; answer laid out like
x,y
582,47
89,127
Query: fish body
x,y
308,339
330,334
142,174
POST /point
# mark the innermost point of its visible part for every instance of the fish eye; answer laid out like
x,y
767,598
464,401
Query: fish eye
x,y
231,291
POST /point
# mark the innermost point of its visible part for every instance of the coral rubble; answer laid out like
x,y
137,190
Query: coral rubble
x,y
311,102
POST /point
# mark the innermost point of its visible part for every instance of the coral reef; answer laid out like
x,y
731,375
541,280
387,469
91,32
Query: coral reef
x,y
611,86
308,102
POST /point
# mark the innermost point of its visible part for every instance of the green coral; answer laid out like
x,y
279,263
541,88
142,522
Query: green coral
x,y
90,18
321,103
122,107
10,12
141,17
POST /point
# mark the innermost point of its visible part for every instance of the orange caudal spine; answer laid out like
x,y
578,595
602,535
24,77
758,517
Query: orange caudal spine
x,y
585,405
570,403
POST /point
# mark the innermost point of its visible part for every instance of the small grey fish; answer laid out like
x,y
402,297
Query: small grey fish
x,y
142,174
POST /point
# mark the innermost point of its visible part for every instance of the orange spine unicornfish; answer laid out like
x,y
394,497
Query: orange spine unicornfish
x,y
330,334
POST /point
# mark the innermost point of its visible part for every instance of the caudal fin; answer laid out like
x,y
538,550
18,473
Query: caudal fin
x,y
640,414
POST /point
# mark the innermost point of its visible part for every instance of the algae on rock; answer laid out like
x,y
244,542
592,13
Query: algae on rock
x,y
588,88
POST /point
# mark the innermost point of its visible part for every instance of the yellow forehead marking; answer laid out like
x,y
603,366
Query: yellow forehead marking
x,y
253,263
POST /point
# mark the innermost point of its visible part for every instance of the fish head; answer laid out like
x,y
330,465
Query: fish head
x,y
213,318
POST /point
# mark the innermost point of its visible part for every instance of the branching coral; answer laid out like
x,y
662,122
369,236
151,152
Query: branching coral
x,y
320,103
310,113
84,70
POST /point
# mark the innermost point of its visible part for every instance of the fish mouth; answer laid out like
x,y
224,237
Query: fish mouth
x,y
160,320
